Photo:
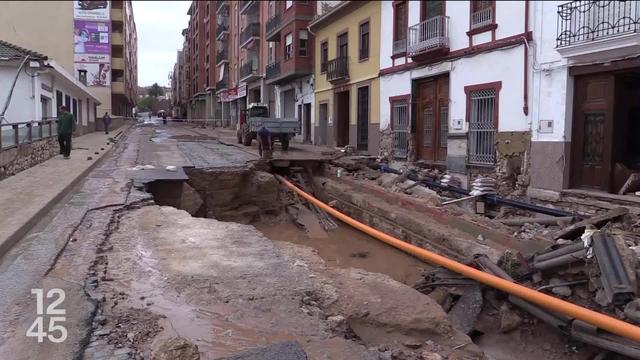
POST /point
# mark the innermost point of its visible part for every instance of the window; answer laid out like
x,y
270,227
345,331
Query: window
x,y
482,119
303,37
324,56
482,13
288,46
431,9
364,41
343,45
272,52
400,28
288,4
59,103
400,126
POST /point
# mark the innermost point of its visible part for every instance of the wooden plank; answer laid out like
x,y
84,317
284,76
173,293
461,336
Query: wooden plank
x,y
577,229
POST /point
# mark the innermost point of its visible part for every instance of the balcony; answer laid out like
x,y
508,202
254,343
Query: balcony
x,y
598,30
221,85
272,71
117,86
249,33
482,18
222,7
117,63
248,6
117,14
249,71
222,56
222,31
338,69
117,38
278,73
273,27
429,38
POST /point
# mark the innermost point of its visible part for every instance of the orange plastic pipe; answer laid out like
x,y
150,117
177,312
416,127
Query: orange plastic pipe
x,y
602,321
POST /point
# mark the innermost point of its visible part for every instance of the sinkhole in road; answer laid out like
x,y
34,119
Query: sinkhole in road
x,y
251,196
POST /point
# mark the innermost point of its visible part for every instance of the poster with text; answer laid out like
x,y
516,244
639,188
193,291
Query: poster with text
x,y
91,10
91,37
96,74
92,58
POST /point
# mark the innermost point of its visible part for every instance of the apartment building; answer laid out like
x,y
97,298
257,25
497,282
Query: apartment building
x,y
290,55
586,91
454,82
347,84
98,44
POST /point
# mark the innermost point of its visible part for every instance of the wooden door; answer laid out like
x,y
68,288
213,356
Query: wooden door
x,y
432,114
592,132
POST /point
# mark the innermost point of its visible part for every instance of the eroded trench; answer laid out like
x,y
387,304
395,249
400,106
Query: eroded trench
x,y
253,196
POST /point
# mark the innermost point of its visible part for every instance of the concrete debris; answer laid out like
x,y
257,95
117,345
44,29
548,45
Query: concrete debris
x,y
632,311
431,356
578,228
564,291
509,319
387,180
176,349
142,167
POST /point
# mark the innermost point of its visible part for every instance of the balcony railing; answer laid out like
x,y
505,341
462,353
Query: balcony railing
x,y
338,69
482,18
221,56
431,34
245,5
273,70
584,21
273,23
399,46
221,29
250,31
248,69
221,5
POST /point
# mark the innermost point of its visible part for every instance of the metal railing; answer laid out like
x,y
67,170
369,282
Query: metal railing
x,y
431,34
222,55
249,68
482,18
222,4
245,5
13,134
482,127
273,70
273,23
221,28
399,46
222,84
338,68
251,30
584,21
401,130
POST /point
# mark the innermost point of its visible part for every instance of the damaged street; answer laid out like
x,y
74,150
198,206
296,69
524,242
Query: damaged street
x,y
183,245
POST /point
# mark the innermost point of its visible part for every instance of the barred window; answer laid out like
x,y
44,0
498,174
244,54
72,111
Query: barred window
x,y
482,112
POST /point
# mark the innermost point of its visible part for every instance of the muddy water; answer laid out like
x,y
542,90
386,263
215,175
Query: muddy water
x,y
346,247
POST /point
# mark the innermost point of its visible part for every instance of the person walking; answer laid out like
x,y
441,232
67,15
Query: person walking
x,y
265,143
106,121
66,127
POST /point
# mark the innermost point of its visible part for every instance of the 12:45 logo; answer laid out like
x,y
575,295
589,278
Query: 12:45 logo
x,y
55,332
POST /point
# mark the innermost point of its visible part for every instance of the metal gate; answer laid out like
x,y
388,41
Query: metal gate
x,y
400,112
482,127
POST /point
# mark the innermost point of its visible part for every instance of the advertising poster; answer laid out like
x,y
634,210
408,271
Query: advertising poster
x,y
97,74
91,10
91,37
92,58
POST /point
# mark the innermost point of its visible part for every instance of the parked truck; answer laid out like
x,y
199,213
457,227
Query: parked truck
x,y
256,116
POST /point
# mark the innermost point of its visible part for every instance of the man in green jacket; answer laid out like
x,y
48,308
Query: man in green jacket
x,y
66,127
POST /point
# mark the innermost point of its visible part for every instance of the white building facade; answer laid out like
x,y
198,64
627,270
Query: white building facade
x,y
454,80
586,91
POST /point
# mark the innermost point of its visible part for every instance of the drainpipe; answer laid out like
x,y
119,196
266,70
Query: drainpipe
x,y
525,106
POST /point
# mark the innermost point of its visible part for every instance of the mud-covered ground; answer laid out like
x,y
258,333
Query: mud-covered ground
x,y
138,275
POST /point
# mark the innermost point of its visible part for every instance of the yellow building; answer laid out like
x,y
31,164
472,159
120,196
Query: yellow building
x,y
347,87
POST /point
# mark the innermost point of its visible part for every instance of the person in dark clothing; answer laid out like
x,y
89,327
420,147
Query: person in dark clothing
x,y
106,121
66,127
264,143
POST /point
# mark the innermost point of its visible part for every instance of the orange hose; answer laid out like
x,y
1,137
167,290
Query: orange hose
x,y
594,318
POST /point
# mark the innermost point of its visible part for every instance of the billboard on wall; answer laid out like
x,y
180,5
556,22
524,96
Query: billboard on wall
x,y
97,74
92,42
91,10
91,37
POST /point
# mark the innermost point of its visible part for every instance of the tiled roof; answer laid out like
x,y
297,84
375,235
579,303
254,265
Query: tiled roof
x,y
13,52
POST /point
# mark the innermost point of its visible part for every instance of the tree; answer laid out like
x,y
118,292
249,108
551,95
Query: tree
x,y
145,104
156,90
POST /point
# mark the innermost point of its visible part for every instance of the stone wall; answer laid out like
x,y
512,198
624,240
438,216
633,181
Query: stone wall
x,y
18,158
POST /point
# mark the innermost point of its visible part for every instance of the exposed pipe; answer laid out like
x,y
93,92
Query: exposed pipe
x,y
525,106
594,318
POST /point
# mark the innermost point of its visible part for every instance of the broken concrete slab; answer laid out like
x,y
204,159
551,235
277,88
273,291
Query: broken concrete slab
x,y
176,349
281,351
576,229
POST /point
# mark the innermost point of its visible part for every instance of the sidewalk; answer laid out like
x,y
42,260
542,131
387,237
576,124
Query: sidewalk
x,y
27,196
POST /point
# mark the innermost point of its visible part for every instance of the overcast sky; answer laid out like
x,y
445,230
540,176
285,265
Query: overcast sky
x,y
159,25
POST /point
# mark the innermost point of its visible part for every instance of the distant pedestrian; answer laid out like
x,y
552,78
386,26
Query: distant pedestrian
x,y
66,127
106,121
265,144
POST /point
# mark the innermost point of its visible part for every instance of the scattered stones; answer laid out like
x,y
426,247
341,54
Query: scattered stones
x,y
176,349
431,356
89,158
632,311
563,291
509,319
412,344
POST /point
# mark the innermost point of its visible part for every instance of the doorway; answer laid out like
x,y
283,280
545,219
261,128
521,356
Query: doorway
x,y
307,123
432,118
606,126
342,118
322,124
